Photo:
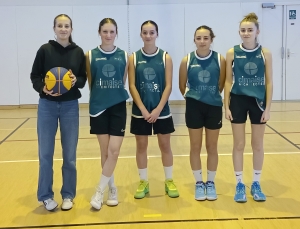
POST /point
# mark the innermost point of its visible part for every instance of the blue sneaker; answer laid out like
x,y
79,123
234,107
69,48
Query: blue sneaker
x,y
256,192
240,193
200,191
211,191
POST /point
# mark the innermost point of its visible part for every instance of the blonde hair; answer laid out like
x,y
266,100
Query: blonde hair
x,y
251,17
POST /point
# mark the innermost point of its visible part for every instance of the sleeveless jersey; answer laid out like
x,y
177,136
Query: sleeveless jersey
x,y
150,81
107,83
249,74
203,76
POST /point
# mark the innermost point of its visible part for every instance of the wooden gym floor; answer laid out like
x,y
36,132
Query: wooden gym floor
x,y
280,180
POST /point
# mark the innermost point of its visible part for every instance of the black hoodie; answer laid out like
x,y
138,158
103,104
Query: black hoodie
x,y
52,55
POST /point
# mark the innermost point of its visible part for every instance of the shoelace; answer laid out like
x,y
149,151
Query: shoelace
x,y
257,188
240,189
142,185
112,192
200,187
209,186
99,194
171,184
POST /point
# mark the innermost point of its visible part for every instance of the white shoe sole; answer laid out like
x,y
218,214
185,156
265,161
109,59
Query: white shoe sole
x,y
202,198
66,208
211,198
112,202
95,205
50,209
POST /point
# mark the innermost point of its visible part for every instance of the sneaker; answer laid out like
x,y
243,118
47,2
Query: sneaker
x,y
240,193
200,191
256,192
112,199
50,204
171,189
142,189
211,191
67,204
97,199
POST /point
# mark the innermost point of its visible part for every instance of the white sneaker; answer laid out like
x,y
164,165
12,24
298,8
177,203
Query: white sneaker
x,y
112,199
97,199
50,204
67,204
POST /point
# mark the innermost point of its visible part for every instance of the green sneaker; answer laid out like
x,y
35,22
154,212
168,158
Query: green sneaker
x,y
171,189
142,189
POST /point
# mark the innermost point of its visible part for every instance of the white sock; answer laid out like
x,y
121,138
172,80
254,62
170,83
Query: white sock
x,y
198,175
111,182
103,182
239,177
143,174
256,175
211,175
168,172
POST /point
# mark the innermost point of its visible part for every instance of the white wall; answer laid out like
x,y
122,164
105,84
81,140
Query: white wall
x,y
31,34
170,20
86,21
26,25
9,93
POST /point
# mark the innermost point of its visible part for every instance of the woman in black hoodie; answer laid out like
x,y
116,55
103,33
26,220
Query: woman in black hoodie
x,y
54,107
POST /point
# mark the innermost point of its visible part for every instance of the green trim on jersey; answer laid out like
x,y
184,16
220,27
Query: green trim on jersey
x,y
203,76
249,74
150,81
107,83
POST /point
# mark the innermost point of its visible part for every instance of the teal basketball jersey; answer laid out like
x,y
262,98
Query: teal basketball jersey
x,y
150,81
203,76
249,74
107,83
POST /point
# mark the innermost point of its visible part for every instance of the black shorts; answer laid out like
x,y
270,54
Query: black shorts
x,y
199,114
241,105
112,121
139,126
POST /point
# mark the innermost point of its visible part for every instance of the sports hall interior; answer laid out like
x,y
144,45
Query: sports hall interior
x,y
26,25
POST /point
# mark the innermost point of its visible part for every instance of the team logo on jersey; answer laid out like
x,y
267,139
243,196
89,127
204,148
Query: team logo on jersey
x,y
258,56
204,76
251,81
239,57
195,65
108,70
149,73
250,68
103,58
142,62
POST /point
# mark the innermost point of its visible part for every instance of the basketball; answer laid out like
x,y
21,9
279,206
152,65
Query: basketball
x,y
58,80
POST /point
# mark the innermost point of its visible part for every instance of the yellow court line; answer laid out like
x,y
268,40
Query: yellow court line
x,y
152,215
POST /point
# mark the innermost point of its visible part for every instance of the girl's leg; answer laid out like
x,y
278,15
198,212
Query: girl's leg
x,y
239,142
212,162
257,143
167,160
141,161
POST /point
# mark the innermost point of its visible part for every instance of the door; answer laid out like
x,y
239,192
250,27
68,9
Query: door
x,y
271,37
292,79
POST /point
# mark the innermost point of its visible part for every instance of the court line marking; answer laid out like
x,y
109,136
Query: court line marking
x,y
283,137
14,131
152,215
156,222
153,156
